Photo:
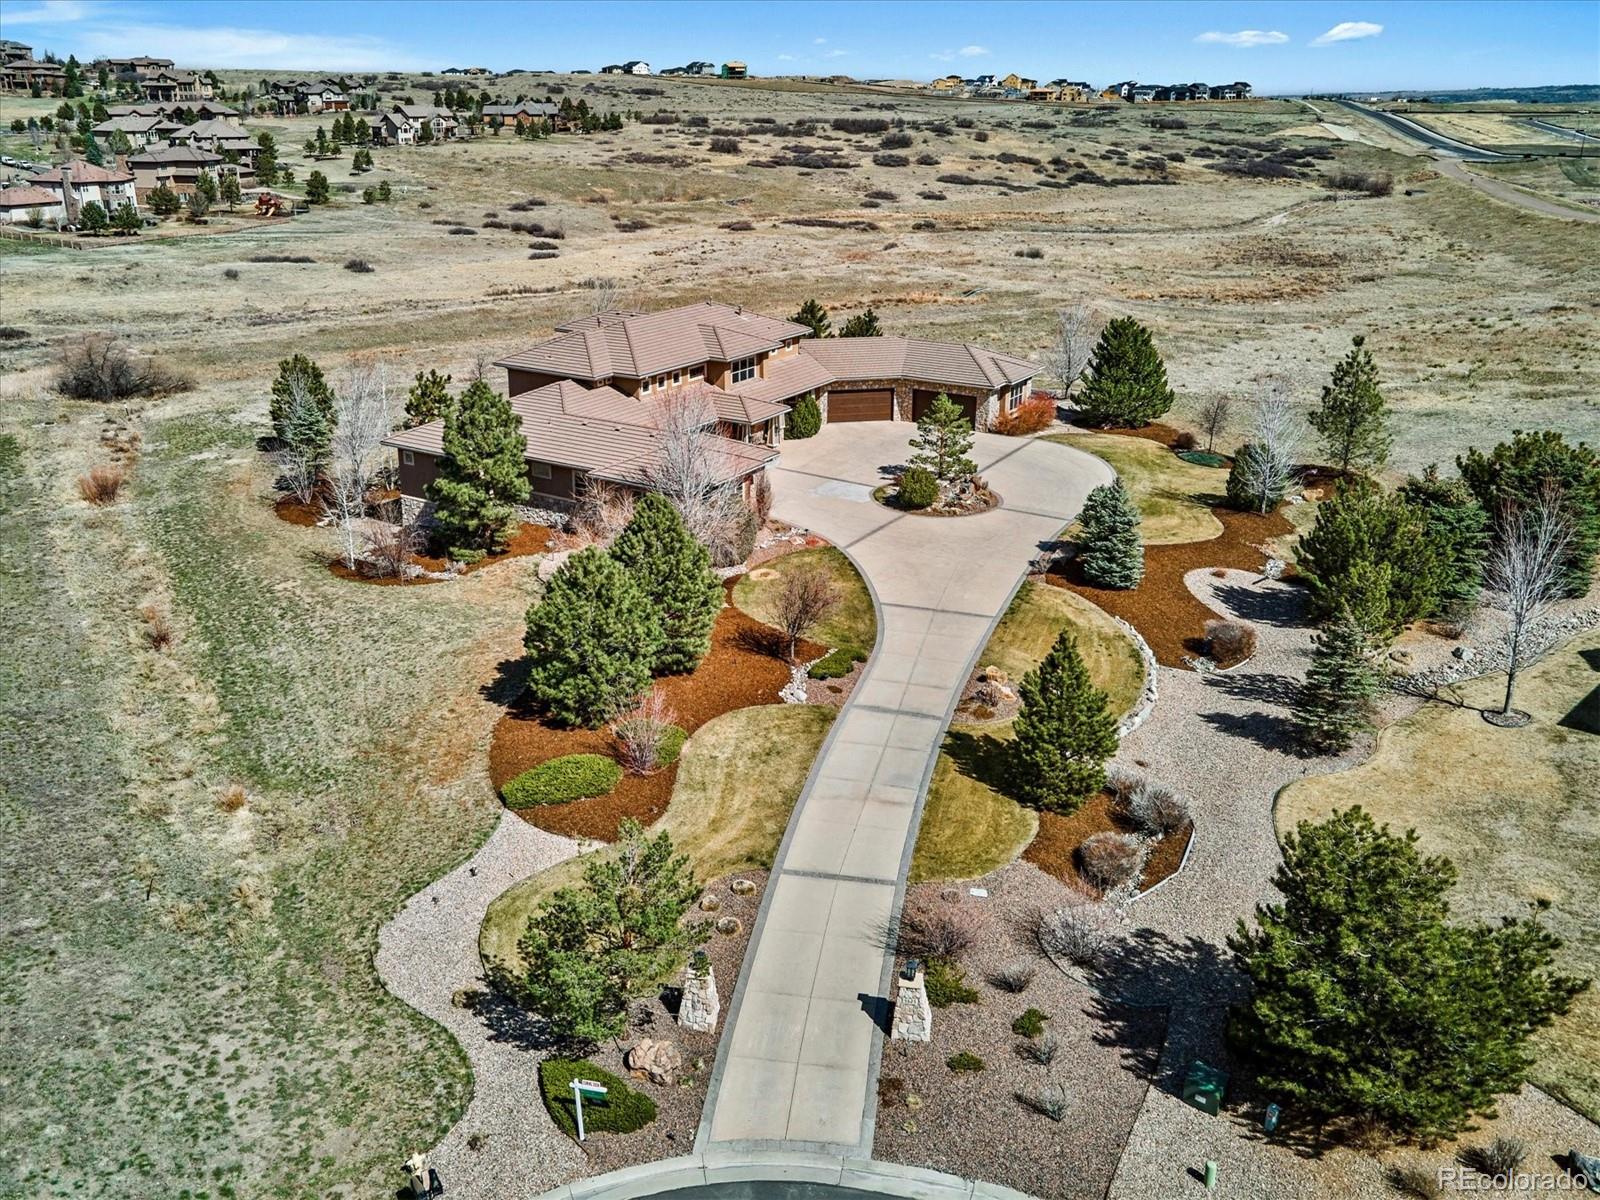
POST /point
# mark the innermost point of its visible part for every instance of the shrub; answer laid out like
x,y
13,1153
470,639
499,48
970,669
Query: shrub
x,y
359,265
101,368
1080,931
642,736
1121,783
1371,183
1185,441
1109,860
1414,1181
724,145
947,984
1030,252
1205,458
918,488
804,419
1157,809
624,1110
1014,977
1042,1050
230,273
1499,1159
561,780
964,1061
837,663
1030,1024
1035,413
880,194
1048,1101
895,141
388,549
1113,553
464,231
1230,642
102,485
158,631
232,798
936,930
737,543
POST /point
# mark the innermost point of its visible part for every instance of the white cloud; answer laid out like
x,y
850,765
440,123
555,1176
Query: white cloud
x,y
225,46
819,41
787,58
1244,37
973,51
51,12
836,54
1346,31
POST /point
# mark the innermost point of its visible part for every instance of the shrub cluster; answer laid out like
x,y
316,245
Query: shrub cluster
x,y
918,488
570,777
837,663
624,1110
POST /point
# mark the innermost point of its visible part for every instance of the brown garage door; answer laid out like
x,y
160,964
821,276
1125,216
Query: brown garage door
x,y
861,406
922,401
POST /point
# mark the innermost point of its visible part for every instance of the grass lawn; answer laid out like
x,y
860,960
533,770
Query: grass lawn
x,y
851,624
968,827
1518,812
1171,494
738,779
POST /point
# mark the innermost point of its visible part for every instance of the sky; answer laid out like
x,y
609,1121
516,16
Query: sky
x,y
1286,47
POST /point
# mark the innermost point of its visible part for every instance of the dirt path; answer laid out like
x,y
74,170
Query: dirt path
x,y
1507,194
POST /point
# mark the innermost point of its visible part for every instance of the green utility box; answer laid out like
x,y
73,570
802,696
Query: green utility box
x,y
1204,1087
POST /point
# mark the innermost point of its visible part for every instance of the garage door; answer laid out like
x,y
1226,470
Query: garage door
x,y
861,406
922,401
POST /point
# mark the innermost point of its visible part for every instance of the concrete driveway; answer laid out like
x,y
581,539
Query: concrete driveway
x,y
800,1050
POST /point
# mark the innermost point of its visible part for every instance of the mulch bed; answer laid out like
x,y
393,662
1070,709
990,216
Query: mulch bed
x,y
1169,616
678,1104
292,511
970,1123
740,671
528,540
1165,435
1052,849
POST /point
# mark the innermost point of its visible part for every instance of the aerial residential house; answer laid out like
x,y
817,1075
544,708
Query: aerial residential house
x,y
1018,83
23,75
612,69
1238,90
521,114
211,111
402,125
168,84
11,52
636,66
698,67
734,69
1120,91
19,205
950,83
128,70
140,131
179,168
220,138
592,398
76,183
141,108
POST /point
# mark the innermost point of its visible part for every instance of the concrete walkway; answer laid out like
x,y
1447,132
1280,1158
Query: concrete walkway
x,y
800,1054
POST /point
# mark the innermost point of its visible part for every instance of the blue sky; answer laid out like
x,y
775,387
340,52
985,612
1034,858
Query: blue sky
x,y
1308,45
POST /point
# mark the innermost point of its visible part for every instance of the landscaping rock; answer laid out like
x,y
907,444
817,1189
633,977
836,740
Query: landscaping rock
x,y
1467,661
709,903
1464,653
1274,568
1400,655
742,887
700,1007
657,1061
729,926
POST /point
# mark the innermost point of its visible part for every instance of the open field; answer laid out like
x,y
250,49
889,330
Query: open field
x,y
1505,131
1516,810
190,991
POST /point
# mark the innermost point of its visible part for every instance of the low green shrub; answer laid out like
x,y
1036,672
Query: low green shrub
x,y
918,488
947,984
622,1111
837,663
964,1061
571,777
671,746
1202,458
1030,1024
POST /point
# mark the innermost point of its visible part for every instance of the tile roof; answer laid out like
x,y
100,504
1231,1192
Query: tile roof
x,y
127,124
175,154
27,197
960,364
785,379
82,172
213,128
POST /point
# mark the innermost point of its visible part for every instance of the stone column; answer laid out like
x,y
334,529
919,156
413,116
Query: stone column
x,y
700,1007
913,1017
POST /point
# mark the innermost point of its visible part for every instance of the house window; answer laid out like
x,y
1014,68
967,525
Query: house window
x,y
644,386
696,372
677,378
1014,399
408,458
538,470
744,370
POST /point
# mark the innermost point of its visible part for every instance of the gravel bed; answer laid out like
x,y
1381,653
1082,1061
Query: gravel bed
x,y
970,1123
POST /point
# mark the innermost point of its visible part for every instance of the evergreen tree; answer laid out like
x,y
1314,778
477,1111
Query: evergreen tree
x,y
673,569
92,152
1113,553
482,475
1513,475
804,419
92,218
863,324
1370,553
205,184
1457,528
384,191
1257,480
266,158
429,399
593,949
299,374
1064,733
1334,706
228,188
316,188
591,641
1369,1001
1353,417
1125,382
424,133
164,202
943,440
814,317
126,218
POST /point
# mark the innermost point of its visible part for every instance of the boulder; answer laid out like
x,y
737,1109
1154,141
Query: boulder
x,y
657,1061
1464,653
552,563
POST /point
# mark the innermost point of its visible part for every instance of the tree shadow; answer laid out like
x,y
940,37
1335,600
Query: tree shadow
x,y
1267,730
980,756
1262,687
509,687
1280,607
511,1023
763,640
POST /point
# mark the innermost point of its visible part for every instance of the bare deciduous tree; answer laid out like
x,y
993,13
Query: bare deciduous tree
x,y
388,549
1068,355
362,415
1213,414
1275,432
1523,576
602,511
805,597
693,472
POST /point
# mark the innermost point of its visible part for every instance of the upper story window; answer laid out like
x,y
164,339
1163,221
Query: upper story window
x,y
677,378
743,370
696,372
644,386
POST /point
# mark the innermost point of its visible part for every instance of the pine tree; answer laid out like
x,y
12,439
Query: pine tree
x,y
126,218
1368,1000
205,184
804,419
482,475
1125,382
429,399
673,569
1113,553
591,641
863,324
1335,704
1457,527
164,202
92,152
1370,553
1353,417
299,373
943,440
316,188
229,190
815,317
1064,733
593,949
92,217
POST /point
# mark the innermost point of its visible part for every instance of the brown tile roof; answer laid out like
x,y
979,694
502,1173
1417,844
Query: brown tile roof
x,y
128,124
601,431
785,379
959,364
633,344
174,154
27,197
82,172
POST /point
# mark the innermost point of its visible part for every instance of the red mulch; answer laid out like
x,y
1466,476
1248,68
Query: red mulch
x,y
1052,849
1161,608
295,513
1166,435
739,672
528,540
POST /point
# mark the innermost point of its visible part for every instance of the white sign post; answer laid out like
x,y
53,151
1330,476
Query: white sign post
x,y
580,1089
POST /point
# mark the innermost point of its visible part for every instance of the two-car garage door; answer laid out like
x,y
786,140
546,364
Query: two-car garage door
x,y
873,405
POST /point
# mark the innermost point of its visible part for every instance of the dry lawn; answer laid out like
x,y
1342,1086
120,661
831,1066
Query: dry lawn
x,y
1170,493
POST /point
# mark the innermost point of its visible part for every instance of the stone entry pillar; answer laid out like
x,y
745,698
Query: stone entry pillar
x,y
913,1017
701,1006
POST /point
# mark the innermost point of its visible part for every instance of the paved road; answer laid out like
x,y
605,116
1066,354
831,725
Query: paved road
x,y
1563,131
1507,194
1425,137
798,1069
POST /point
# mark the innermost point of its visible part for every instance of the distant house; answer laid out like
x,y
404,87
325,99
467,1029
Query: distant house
x,y
311,96
521,114
1119,91
11,51
1238,90
950,83
1018,83
636,66
23,75
698,67
612,69
140,131
982,81
210,111
219,137
403,124
734,69
179,168
19,204
167,84
128,70
76,183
